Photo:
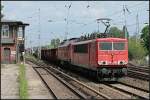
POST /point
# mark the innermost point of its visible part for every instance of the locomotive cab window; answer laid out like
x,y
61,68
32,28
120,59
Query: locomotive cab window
x,y
119,46
105,46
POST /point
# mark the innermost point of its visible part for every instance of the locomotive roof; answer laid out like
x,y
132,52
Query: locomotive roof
x,y
99,39
67,42
111,39
73,42
83,42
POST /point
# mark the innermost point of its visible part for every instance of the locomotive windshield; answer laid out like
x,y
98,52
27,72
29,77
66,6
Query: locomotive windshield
x,y
118,46
106,46
112,45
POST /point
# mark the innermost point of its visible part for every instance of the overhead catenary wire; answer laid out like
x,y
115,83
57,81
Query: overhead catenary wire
x,y
39,35
125,8
67,19
119,11
84,24
130,13
137,26
115,12
131,17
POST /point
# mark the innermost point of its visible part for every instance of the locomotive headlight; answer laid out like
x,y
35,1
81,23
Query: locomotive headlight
x,y
102,62
122,62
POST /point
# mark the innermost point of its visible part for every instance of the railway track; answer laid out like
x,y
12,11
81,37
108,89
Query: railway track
x,y
68,91
118,87
139,75
83,91
138,68
138,72
141,89
136,92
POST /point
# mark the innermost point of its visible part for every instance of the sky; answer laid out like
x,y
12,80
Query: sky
x,y
49,18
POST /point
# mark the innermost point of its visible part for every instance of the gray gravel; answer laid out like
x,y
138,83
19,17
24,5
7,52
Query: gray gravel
x,y
136,82
61,91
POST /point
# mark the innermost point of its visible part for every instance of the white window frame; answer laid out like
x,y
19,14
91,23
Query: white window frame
x,y
3,30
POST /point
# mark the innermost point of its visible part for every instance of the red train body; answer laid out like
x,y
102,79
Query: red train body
x,y
49,54
104,57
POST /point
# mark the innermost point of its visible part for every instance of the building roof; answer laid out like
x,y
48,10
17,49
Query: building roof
x,y
14,22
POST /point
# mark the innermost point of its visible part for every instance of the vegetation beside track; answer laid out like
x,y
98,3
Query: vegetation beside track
x,y
137,54
30,56
23,87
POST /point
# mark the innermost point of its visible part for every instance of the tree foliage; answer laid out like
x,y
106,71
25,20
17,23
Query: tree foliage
x,y
136,50
116,32
55,43
145,36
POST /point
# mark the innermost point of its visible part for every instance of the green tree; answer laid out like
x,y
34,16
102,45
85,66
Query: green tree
x,y
116,32
55,43
145,38
136,50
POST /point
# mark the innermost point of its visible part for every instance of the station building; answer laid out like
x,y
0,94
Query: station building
x,y
12,40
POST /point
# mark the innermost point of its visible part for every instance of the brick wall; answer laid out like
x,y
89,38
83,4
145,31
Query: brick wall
x,y
12,53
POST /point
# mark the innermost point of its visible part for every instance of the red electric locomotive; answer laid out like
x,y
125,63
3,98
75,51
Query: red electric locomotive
x,y
105,57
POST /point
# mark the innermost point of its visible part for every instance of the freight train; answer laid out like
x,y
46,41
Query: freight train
x,y
104,58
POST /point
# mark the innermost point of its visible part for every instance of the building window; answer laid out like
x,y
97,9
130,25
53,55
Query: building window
x,y
5,31
20,32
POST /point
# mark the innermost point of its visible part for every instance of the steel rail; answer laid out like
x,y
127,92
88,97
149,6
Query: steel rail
x,y
91,89
97,92
139,76
138,68
105,96
134,87
125,91
78,93
140,73
53,94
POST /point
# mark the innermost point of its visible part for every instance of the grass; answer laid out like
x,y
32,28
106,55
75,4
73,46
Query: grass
x,y
140,62
23,88
30,56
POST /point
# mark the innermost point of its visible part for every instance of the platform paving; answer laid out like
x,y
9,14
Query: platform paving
x,y
9,81
36,88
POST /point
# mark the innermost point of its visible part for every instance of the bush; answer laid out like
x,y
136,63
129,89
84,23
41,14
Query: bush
x,y
136,50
